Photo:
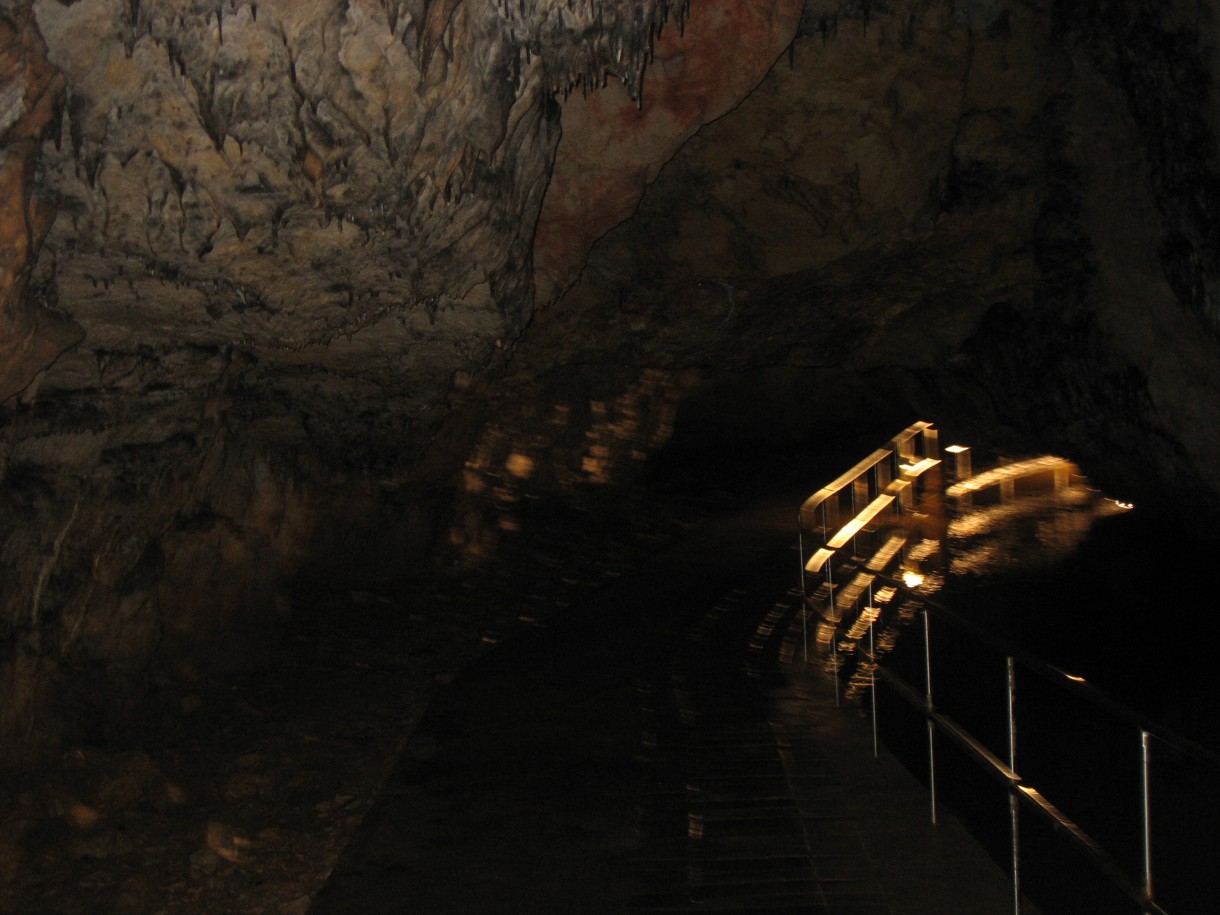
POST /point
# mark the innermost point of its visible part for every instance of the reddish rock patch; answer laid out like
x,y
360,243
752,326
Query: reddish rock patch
x,y
613,147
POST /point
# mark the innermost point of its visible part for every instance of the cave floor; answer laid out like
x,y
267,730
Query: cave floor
x,y
244,795
643,754
235,796
238,795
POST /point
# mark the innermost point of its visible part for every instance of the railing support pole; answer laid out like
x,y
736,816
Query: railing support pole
x,y
1014,811
927,667
872,683
800,561
834,660
834,649
1146,803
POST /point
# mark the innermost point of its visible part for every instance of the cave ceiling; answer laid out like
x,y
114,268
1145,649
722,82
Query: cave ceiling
x,y
326,290
326,209
330,223
326,222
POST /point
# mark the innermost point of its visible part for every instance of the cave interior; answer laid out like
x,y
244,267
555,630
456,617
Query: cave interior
x,y
335,332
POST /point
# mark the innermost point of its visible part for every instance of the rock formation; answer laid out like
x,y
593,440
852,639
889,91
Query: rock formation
x,y
296,290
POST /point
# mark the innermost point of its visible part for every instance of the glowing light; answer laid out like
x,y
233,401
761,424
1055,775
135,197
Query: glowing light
x,y
912,579
1007,473
818,559
919,468
519,465
1075,678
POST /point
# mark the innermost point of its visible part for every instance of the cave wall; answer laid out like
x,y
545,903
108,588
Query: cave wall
x,y
829,246
266,259
299,292
30,337
284,176
1115,354
995,214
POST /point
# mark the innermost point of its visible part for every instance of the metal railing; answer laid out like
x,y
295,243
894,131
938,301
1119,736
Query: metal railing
x,y
1022,794
868,496
856,537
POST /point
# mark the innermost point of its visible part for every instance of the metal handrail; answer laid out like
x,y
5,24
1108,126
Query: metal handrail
x,y
880,494
1020,793
839,483
1061,678
899,446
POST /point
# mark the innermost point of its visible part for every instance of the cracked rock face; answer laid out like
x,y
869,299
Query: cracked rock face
x,y
277,244
301,181
30,337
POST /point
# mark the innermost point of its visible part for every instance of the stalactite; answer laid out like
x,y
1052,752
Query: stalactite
x,y
131,18
437,15
828,26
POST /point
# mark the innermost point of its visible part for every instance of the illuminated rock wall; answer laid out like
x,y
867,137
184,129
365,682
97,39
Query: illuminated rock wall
x,y
989,213
263,258
333,288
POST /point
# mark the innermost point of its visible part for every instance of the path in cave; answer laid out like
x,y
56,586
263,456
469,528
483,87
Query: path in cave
x,y
642,756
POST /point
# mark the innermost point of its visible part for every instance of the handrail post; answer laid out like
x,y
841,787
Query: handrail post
x,y
834,660
1146,802
800,561
834,649
872,683
1014,811
927,666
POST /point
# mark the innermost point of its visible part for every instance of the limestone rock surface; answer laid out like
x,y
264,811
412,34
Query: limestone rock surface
x,y
262,259
30,336
304,303
292,290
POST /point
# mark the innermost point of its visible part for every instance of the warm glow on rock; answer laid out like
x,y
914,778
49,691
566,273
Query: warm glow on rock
x,y
81,817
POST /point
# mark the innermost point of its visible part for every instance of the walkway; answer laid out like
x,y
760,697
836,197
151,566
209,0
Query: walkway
x,y
644,756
